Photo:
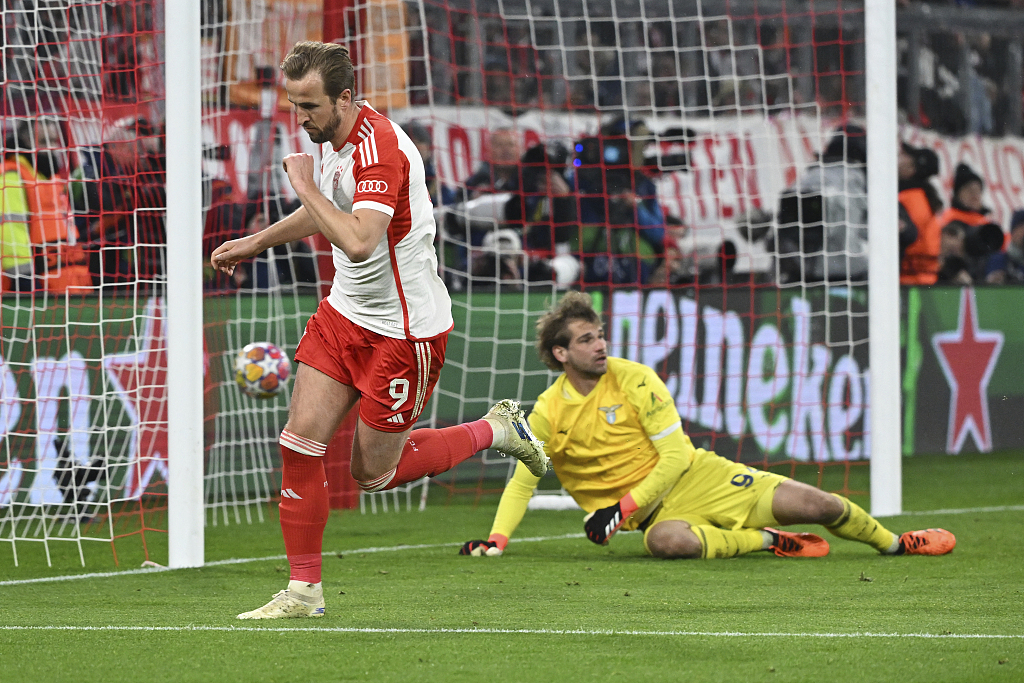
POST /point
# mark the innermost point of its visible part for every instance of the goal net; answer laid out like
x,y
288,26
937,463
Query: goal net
x,y
83,369
695,165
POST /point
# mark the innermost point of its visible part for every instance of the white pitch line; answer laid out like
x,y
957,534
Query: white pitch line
x,y
523,631
246,560
963,511
427,546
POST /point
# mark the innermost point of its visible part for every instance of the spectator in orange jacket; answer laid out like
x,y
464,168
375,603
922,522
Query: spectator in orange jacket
x,y
919,201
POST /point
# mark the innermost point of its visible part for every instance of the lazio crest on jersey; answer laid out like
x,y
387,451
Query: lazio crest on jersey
x,y
609,412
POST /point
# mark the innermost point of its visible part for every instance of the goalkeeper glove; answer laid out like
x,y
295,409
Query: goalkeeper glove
x,y
492,547
602,524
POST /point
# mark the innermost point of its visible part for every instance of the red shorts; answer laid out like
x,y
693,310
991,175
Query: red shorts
x,y
394,377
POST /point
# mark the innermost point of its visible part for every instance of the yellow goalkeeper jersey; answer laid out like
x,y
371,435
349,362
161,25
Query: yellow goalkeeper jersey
x,y
602,445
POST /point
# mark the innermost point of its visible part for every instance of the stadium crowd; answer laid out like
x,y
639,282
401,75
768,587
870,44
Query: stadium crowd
x,y
586,215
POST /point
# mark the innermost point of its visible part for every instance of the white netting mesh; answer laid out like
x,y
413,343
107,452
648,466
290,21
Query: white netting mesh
x,y
658,154
83,372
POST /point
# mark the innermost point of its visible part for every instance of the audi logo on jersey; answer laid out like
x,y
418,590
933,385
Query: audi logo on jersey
x,y
376,186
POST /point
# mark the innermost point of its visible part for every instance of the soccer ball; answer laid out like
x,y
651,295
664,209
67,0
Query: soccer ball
x,y
261,369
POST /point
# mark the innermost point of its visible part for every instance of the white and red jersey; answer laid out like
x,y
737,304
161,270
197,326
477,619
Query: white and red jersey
x,y
397,291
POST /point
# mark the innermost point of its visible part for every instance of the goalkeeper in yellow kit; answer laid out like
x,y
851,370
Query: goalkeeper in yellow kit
x,y
617,445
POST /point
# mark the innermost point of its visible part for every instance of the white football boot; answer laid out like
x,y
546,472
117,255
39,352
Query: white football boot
x,y
300,600
517,440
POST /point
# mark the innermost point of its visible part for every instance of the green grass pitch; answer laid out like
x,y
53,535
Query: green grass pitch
x,y
550,610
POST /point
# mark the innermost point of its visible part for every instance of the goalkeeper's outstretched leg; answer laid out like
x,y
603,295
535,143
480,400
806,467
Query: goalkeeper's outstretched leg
x,y
792,502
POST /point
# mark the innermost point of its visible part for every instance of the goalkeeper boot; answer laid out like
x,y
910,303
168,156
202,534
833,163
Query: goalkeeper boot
x,y
787,544
927,542
518,441
289,603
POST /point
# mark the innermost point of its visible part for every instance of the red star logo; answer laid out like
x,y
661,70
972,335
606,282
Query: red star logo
x,y
968,356
140,379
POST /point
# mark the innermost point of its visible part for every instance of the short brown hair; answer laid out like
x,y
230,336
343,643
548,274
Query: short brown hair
x,y
330,60
553,326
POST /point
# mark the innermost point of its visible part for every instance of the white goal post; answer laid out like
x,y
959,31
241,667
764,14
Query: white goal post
x,y
883,265
185,513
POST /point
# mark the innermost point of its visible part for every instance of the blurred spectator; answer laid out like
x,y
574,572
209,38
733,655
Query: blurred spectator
x,y
1006,267
822,221
622,224
511,67
15,244
919,202
59,259
440,194
126,205
225,219
544,212
971,236
35,237
775,59
908,232
500,170
734,76
953,265
479,207
675,267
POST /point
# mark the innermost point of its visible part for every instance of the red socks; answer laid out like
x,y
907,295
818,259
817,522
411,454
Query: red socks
x,y
304,505
304,496
429,452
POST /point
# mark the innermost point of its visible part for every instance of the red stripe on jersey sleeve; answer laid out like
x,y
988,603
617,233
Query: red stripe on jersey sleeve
x,y
381,170
400,226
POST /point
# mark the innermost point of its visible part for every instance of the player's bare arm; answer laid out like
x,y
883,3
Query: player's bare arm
x,y
296,226
357,234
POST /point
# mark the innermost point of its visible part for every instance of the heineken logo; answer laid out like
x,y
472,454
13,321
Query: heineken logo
x,y
787,379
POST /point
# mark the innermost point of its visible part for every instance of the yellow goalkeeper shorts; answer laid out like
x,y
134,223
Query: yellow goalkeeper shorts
x,y
722,493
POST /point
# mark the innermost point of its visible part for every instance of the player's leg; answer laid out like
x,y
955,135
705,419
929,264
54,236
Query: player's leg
x,y
318,405
720,509
383,460
679,539
322,395
395,385
798,503
701,517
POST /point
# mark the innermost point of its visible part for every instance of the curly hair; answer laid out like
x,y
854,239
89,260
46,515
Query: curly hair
x,y
330,60
553,326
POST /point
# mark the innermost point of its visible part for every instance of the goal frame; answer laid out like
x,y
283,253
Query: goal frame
x,y
883,262
185,495
186,516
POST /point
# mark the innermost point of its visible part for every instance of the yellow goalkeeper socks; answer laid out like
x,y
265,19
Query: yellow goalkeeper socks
x,y
720,543
857,525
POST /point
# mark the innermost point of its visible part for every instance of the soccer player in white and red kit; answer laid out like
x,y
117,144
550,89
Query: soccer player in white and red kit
x,y
380,335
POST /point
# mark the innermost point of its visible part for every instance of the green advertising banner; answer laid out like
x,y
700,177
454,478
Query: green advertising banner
x,y
758,373
963,382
